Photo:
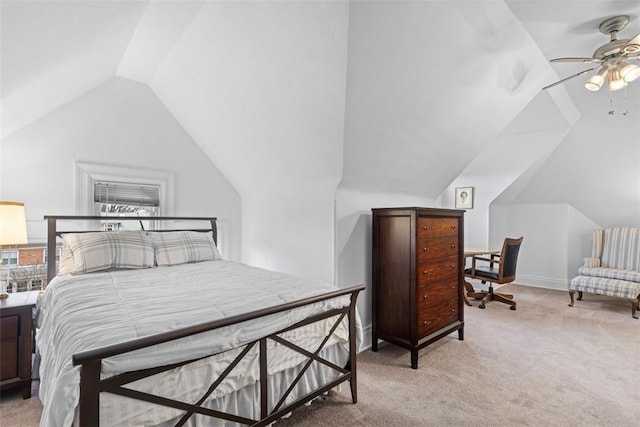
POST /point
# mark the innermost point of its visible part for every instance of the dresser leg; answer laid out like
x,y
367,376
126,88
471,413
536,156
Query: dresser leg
x,y
461,334
414,359
374,342
26,390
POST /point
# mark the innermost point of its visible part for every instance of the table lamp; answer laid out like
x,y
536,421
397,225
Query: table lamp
x,y
13,231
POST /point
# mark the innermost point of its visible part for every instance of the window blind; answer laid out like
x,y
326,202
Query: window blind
x,y
126,193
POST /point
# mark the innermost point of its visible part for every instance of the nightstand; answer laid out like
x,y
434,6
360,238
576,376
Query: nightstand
x,y
16,340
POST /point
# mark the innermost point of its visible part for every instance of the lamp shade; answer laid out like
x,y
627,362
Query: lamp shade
x,y
13,224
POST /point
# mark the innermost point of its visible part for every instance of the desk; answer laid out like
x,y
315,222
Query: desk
x,y
470,251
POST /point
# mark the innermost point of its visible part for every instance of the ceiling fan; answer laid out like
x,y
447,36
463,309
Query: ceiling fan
x,y
612,58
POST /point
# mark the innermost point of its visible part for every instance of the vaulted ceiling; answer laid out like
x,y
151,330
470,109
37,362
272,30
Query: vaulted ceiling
x,y
458,73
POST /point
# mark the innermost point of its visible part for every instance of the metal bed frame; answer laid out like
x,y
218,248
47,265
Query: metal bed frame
x,y
91,384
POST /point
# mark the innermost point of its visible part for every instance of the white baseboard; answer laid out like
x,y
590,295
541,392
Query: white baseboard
x,y
366,337
542,282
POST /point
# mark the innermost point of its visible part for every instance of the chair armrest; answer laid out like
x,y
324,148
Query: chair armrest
x,y
495,259
591,262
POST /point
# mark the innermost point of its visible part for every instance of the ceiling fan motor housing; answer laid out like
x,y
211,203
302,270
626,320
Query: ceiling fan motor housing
x,y
612,48
611,56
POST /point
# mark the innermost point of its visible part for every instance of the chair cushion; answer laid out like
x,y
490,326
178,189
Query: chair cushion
x,y
611,273
604,286
484,272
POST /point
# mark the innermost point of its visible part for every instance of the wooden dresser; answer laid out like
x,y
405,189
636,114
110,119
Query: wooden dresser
x,y
418,279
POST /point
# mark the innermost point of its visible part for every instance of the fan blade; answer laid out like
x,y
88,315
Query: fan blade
x,y
633,44
576,60
567,78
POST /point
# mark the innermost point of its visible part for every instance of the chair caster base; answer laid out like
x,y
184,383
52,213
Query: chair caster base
x,y
481,306
513,307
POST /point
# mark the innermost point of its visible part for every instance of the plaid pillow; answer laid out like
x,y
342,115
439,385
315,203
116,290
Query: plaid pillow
x,y
181,247
65,266
109,250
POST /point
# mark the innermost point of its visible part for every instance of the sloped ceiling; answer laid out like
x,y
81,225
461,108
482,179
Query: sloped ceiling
x,y
430,84
54,51
470,69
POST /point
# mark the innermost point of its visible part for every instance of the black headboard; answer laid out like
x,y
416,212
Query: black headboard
x,y
53,233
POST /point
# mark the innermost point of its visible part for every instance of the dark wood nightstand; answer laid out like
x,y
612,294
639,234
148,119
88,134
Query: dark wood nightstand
x,y
16,340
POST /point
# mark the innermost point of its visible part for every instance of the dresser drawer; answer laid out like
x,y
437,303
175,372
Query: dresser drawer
x,y
432,271
432,295
437,316
437,248
9,333
9,327
437,227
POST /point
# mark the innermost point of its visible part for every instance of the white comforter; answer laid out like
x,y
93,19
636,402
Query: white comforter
x,y
78,313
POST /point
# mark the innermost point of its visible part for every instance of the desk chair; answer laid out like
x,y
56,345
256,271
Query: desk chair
x,y
505,272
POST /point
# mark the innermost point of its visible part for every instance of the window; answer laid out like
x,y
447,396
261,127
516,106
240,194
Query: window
x,y
9,258
46,255
22,286
125,199
87,174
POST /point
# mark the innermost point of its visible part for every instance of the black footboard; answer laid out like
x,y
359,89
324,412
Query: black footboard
x,y
91,385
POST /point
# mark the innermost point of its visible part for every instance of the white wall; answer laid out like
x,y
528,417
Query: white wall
x,y
119,123
261,86
556,239
596,169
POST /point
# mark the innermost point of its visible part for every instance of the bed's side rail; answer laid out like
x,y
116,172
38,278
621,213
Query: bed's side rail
x,y
90,362
53,232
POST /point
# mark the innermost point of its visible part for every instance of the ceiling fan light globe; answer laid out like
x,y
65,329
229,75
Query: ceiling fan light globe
x,y
630,72
594,83
617,84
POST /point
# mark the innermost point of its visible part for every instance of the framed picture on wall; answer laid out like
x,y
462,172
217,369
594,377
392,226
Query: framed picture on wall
x,y
464,197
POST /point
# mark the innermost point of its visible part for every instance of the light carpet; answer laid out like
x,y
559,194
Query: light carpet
x,y
545,364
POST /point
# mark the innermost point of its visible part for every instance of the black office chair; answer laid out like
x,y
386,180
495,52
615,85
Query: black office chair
x,y
505,272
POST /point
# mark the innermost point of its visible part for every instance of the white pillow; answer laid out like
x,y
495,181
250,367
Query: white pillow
x,y
97,251
181,247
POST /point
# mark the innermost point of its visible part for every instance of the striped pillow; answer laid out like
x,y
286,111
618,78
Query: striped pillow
x,y
181,247
98,251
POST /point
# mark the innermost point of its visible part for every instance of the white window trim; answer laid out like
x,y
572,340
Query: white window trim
x,y
9,265
87,173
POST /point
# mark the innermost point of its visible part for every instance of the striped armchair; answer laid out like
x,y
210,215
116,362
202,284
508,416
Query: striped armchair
x,y
613,268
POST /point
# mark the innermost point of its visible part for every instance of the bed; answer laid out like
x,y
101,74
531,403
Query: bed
x,y
147,327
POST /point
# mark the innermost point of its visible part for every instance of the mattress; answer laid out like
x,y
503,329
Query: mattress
x,y
82,312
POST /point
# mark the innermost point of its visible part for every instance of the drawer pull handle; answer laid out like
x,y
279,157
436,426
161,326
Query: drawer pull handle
x,y
453,266
425,322
453,287
453,227
426,249
426,227
426,272
453,310
426,297
453,246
